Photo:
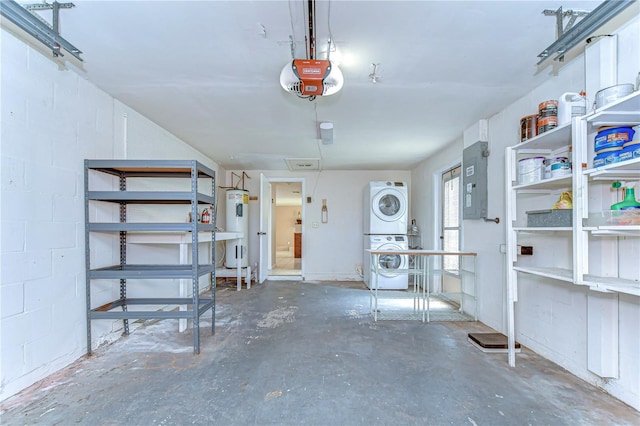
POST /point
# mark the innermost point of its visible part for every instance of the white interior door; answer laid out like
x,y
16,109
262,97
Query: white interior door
x,y
263,232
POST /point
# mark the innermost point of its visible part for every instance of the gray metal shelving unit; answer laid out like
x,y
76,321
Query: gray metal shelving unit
x,y
121,308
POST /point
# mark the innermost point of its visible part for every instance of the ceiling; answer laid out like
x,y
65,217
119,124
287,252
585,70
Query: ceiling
x,y
208,71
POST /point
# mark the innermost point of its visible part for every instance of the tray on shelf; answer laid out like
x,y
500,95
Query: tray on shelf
x,y
614,218
549,218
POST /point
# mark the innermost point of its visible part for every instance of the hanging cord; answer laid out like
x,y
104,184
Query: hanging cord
x,y
329,22
331,41
315,185
593,38
293,32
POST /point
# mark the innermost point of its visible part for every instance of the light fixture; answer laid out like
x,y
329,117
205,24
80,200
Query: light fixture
x,y
326,133
311,77
39,29
583,29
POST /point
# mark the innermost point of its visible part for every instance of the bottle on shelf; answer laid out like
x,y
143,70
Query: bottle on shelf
x,y
629,201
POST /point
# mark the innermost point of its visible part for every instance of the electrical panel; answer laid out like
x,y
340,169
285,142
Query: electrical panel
x,y
474,181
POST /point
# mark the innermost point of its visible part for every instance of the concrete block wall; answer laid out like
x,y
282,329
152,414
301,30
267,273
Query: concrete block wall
x,y
52,119
551,316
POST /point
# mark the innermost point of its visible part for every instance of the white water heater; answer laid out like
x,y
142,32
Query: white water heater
x,y
237,251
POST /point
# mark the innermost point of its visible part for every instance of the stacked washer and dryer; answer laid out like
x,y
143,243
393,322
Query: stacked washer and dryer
x,y
385,228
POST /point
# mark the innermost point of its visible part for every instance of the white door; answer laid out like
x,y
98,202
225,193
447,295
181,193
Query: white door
x,y
263,232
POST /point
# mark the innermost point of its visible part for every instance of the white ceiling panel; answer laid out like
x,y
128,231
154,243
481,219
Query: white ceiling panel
x,y
208,71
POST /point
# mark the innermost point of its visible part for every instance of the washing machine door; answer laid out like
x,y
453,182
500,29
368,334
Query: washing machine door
x,y
389,205
390,263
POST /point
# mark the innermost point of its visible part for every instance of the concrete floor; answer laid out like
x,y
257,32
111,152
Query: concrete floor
x,y
309,353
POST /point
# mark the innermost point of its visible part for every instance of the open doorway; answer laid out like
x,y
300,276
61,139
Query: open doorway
x,y
286,229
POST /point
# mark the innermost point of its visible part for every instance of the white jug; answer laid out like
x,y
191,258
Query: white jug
x,y
571,105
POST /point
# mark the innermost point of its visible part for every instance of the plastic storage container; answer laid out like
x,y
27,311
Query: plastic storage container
x,y
560,169
630,151
612,137
556,166
607,156
530,170
614,217
612,94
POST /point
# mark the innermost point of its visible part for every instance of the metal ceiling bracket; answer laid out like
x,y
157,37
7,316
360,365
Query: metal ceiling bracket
x,y
55,8
573,34
560,14
373,77
35,27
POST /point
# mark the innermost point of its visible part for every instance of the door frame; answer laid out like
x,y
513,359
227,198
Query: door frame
x,y
270,229
437,215
460,203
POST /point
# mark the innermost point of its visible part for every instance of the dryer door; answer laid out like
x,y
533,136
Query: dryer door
x,y
389,205
388,263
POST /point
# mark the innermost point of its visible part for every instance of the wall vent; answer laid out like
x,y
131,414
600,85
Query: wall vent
x,y
297,164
